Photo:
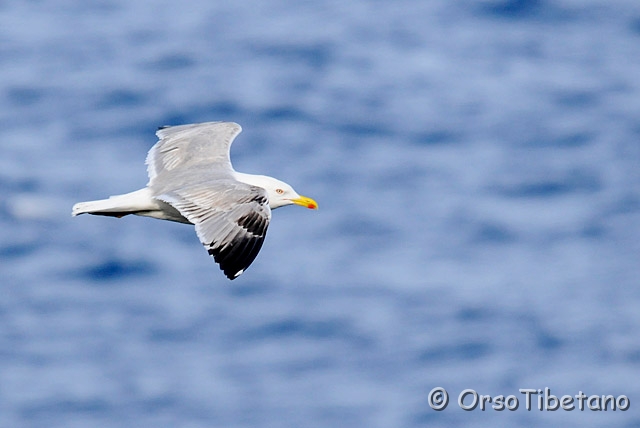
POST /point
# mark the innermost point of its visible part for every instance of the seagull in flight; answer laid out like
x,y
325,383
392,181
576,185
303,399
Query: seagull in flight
x,y
191,181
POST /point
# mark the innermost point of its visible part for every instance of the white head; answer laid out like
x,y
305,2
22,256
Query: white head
x,y
278,192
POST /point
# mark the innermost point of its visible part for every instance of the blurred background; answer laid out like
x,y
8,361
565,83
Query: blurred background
x,y
477,167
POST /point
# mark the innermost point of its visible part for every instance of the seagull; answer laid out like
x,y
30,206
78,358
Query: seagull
x,y
191,181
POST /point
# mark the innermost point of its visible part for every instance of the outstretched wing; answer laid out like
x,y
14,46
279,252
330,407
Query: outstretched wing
x,y
231,220
187,146
189,168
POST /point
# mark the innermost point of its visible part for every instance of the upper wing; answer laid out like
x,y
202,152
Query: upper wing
x,y
231,220
186,146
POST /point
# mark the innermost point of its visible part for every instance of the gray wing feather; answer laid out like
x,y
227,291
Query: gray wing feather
x,y
187,146
231,220
189,168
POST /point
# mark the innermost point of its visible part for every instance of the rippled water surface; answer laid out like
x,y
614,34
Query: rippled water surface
x,y
477,166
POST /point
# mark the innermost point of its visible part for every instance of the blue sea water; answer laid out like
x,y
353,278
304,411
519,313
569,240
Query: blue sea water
x,y
477,166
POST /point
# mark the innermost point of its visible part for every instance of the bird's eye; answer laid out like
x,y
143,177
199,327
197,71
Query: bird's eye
x,y
279,191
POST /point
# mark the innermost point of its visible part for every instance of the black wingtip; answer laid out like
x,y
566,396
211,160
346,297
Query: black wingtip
x,y
238,256
229,274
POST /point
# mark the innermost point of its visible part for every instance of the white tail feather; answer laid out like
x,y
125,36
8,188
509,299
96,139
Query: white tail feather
x,y
139,202
129,203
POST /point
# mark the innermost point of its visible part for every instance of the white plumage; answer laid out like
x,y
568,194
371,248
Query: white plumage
x,y
191,180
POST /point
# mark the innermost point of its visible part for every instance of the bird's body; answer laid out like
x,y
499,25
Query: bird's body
x,y
191,181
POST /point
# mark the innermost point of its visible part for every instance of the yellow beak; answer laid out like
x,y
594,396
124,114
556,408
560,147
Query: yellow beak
x,y
306,202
